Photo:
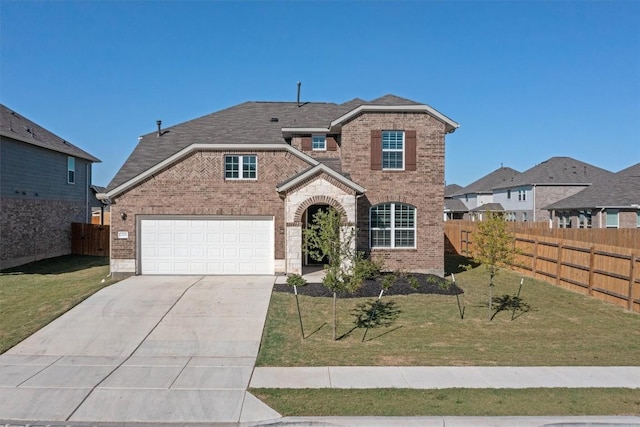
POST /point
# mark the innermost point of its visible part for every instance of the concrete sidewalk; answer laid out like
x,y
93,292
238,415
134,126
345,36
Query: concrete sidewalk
x,y
435,377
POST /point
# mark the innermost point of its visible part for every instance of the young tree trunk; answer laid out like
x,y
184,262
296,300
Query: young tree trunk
x,y
335,317
490,296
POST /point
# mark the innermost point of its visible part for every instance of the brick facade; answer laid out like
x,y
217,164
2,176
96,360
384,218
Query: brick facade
x,y
196,186
422,188
31,229
546,195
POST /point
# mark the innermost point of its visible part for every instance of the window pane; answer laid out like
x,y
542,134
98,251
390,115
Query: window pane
x,y
319,143
232,167
392,140
392,160
381,216
249,167
612,218
405,238
381,238
405,216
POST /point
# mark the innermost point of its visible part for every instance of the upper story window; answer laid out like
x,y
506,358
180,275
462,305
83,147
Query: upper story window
x,y
392,225
240,167
508,194
522,195
612,218
318,143
71,170
393,149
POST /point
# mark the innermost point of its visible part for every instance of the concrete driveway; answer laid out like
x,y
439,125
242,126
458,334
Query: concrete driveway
x,y
147,349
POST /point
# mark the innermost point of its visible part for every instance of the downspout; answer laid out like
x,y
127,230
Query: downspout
x,y
600,217
534,203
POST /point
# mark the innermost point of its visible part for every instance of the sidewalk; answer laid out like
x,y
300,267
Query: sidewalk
x,y
437,377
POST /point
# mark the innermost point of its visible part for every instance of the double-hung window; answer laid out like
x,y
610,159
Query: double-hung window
x,y
71,170
240,167
612,218
393,225
393,149
318,143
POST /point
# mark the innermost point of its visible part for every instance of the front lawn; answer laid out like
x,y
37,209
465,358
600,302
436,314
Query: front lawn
x,y
559,328
34,294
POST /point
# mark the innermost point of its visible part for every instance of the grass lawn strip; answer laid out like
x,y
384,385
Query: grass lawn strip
x,y
33,295
452,402
560,328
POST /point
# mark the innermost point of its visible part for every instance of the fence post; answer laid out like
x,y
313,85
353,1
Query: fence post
x,y
592,259
534,261
559,264
632,279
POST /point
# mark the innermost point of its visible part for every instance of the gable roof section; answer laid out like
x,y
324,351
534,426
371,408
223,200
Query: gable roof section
x,y
622,190
451,189
560,171
493,207
455,205
499,177
314,170
16,127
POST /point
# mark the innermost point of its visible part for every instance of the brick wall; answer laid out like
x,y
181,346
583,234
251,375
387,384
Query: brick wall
x,y
546,195
196,186
36,229
422,188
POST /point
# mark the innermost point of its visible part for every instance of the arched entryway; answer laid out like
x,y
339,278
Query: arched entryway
x,y
308,219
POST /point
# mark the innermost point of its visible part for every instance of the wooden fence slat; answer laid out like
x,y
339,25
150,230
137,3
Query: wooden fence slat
x,y
632,279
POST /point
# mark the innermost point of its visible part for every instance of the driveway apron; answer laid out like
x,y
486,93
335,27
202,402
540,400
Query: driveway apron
x,y
147,349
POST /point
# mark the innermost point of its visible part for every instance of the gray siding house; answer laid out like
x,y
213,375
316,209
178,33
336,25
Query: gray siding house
x,y
44,187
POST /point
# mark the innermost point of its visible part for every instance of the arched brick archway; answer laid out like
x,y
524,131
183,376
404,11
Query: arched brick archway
x,y
325,200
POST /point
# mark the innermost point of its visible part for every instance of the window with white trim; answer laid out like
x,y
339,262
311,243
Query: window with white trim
x,y
612,218
393,149
319,143
392,225
71,170
522,195
584,219
240,167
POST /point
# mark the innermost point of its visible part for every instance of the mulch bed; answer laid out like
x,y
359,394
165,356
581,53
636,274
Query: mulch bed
x,y
427,284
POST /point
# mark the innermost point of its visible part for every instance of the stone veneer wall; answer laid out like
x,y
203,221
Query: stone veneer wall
x,y
195,185
36,229
422,188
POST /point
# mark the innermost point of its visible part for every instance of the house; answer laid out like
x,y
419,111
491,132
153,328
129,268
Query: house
x,y
480,192
610,203
44,187
230,192
100,210
527,195
453,209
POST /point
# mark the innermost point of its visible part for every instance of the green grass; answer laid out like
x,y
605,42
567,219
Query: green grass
x,y
34,294
452,402
561,328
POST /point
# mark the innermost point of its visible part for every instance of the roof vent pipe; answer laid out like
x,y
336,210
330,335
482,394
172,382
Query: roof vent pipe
x,y
159,123
299,84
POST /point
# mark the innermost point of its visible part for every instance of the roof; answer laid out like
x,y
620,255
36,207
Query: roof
x,y
19,128
250,123
499,177
451,189
455,205
620,190
560,171
493,207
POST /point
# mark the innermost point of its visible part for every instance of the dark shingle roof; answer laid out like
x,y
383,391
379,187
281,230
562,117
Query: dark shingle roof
x,y
455,205
14,126
619,190
499,177
451,189
247,123
494,207
559,170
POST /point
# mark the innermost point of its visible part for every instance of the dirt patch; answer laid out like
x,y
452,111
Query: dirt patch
x,y
425,284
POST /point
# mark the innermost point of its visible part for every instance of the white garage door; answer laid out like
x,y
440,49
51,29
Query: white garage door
x,y
206,246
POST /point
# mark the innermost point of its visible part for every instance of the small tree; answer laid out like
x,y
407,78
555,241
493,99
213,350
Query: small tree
x,y
346,269
494,248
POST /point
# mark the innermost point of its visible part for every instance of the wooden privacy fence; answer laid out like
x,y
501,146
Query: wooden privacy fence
x,y
89,239
607,272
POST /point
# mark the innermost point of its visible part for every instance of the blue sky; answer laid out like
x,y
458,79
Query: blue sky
x,y
526,80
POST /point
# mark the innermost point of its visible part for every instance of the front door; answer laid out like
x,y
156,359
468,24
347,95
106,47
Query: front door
x,y
308,221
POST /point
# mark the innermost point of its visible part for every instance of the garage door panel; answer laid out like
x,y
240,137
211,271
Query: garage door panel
x,y
211,246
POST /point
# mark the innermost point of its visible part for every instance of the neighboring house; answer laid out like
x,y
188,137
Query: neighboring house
x,y
230,192
610,203
480,192
526,197
44,187
100,210
453,209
